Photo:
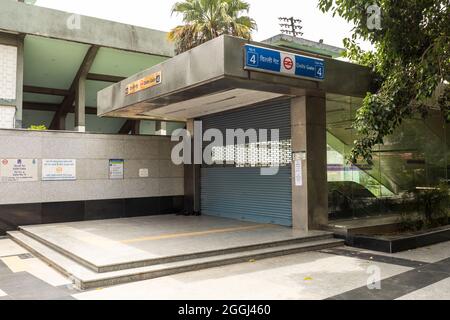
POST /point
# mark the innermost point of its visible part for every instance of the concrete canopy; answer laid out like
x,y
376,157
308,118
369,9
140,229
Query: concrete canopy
x,y
20,18
53,64
59,50
211,78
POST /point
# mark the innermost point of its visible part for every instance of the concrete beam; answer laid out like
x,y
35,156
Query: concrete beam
x,y
347,79
58,122
126,127
104,78
52,107
136,128
187,77
48,91
309,145
80,105
130,127
8,39
29,19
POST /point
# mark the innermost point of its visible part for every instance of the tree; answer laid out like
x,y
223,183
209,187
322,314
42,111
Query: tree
x,y
207,19
411,62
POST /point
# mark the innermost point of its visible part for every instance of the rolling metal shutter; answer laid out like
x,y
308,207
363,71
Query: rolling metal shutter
x,y
274,115
243,193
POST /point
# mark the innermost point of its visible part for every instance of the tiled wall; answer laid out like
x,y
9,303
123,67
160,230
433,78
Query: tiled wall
x,y
92,152
8,72
7,117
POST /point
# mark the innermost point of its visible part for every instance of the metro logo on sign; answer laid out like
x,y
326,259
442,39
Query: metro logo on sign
x,y
288,65
279,62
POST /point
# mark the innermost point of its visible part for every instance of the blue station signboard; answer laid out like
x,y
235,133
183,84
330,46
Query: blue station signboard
x,y
279,62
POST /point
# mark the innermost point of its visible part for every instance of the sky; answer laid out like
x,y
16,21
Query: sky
x,y
156,14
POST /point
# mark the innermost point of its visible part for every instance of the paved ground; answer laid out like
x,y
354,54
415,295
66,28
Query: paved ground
x,y
122,241
340,273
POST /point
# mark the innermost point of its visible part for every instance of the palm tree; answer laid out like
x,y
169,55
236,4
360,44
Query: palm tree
x,y
207,19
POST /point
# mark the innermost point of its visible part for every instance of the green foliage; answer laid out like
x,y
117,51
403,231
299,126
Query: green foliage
x,y
433,203
431,207
38,127
411,62
207,19
408,223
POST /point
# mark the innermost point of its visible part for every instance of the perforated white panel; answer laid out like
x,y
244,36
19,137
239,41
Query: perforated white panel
x,y
7,117
8,72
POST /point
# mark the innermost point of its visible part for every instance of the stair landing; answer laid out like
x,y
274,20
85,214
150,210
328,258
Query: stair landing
x,y
108,252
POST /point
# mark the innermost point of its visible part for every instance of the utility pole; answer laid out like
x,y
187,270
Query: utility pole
x,y
291,26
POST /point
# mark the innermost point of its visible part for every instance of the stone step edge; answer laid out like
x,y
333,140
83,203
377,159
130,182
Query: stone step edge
x,y
176,258
139,274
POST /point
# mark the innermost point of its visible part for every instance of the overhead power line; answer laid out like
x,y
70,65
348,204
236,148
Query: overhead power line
x,y
291,26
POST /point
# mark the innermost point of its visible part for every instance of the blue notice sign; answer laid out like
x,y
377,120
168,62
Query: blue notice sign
x,y
274,61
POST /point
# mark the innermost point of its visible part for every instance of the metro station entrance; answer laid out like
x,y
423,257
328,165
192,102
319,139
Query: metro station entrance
x,y
246,85
237,189
246,213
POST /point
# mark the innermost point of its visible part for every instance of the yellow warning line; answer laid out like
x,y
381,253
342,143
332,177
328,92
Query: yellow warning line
x,y
195,234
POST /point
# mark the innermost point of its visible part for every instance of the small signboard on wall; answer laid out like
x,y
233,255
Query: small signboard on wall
x,y
59,169
298,173
298,168
18,170
147,82
116,169
143,173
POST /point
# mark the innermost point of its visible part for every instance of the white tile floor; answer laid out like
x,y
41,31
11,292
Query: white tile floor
x,y
36,268
46,273
311,275
437,291
10,248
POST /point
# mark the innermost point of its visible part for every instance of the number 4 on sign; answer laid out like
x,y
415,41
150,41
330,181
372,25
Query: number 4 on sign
x,y
253,59
319,72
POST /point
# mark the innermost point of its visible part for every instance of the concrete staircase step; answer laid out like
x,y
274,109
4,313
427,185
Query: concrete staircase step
x,y
85,278
170,259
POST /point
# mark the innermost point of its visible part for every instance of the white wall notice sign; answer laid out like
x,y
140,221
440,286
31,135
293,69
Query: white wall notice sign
x,y
116,169
143,173
18,170
298,168
298,173
59,169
